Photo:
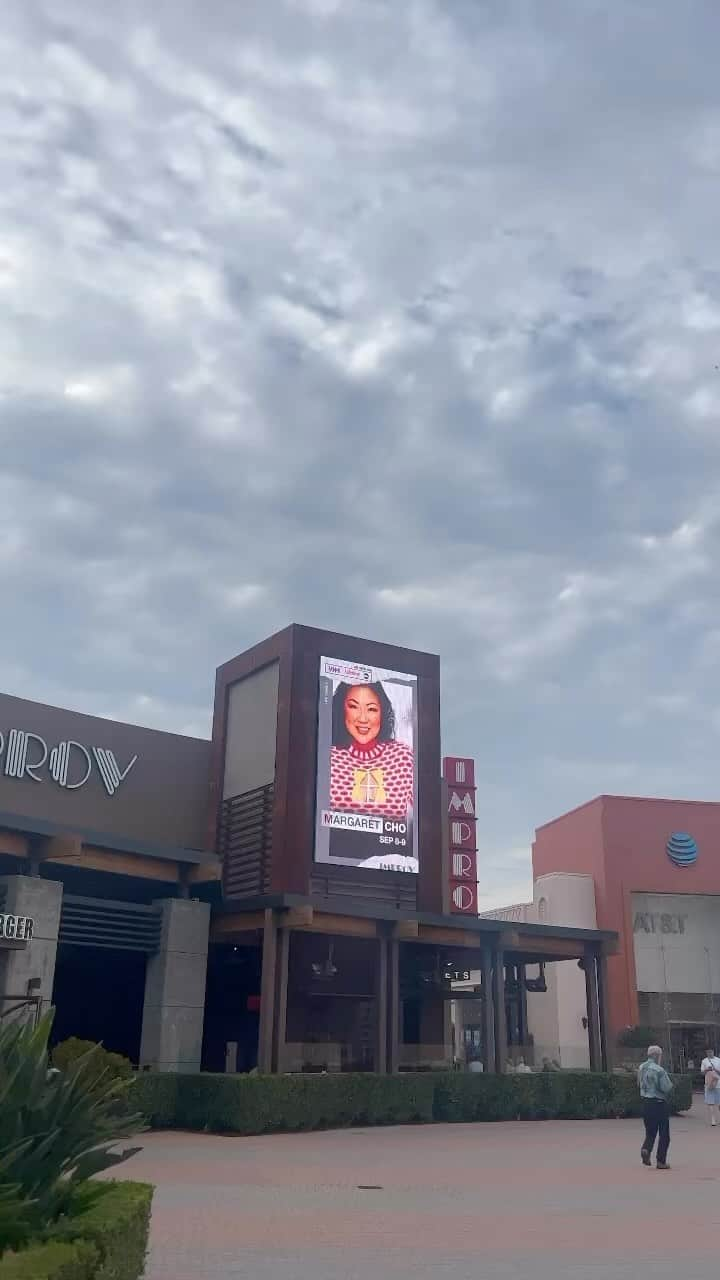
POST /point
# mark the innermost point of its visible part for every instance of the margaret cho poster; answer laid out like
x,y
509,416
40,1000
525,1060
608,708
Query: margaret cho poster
x,y
366,767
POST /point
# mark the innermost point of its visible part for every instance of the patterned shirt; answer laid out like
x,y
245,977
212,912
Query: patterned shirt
x,y
376,779
654,1081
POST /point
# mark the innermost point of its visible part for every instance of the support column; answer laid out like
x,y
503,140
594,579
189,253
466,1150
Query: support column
x,y
448,1044
41,902
445,847
381,1007
591,998
488,1019
522,1008
281,991
499,1011
267,995
394,1006
512,1014
602,990
174,1010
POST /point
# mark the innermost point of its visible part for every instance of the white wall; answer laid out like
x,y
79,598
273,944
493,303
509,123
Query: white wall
x,y
555,1017
251,732
677,942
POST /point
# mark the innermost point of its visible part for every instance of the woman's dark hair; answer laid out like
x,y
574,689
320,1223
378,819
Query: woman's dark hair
x,y
340,735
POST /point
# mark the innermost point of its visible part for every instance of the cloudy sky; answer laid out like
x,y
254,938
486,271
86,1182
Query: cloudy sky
x,y
399,318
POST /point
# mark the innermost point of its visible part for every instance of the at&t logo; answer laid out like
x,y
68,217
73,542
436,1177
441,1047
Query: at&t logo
x,y
681,849
69,764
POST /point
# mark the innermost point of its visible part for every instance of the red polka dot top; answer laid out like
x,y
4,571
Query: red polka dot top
x,y
376,779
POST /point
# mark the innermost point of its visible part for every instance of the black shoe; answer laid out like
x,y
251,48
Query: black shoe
x,y
662,1166
645,1157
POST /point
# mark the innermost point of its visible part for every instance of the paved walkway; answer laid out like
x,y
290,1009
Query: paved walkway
x,y
537,1200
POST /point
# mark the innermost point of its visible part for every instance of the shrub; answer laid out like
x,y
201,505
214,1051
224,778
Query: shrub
x,y
114,1218
638,1037
263,1104
77,1261
629,1098
257,1104
562,1095
155,1097
54,1129
460,1097
113,1065
16,1213
102,1237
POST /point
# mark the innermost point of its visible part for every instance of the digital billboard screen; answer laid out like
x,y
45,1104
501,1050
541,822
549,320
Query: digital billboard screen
x,y
366,810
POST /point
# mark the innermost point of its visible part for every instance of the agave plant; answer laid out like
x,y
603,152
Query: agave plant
x,y
56,1127
16,1211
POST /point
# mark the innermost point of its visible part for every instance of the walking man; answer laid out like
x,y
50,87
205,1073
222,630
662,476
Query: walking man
x,y
711,1071
655,1089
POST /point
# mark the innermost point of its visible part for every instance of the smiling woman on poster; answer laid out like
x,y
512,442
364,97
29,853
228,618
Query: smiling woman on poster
x,y
366,781
370,771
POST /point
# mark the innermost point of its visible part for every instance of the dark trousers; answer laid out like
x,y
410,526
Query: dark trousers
x,y
656,1115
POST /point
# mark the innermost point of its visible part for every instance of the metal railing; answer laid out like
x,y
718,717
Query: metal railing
x,y
21,1009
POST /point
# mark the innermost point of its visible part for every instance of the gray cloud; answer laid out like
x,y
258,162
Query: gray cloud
x,y
398,319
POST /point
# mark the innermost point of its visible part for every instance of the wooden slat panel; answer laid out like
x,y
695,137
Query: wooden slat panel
x,y
245,833
327,883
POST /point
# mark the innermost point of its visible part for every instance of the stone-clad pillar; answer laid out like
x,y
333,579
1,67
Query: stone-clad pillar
x,y
40,901
174,1010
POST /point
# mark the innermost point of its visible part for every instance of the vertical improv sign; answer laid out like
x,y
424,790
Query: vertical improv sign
x,y
461,817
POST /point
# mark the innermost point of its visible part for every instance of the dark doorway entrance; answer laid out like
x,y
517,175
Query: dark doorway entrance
x,y
689,1044
99,995
232,1008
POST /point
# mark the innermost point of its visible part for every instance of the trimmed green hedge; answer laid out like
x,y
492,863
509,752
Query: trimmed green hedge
x,y
114,1217
547,1095
76,1261
266,1104
103,1238
154,1094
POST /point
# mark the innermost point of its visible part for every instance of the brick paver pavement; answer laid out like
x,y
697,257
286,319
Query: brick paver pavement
x,y
539,1200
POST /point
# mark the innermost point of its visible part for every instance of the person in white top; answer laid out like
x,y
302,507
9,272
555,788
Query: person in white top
x,y
710,1067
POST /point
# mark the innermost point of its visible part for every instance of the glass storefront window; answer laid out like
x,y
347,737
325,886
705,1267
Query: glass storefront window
x,y
332,1004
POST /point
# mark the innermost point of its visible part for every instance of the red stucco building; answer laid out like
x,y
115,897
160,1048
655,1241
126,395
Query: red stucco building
x,y
655,869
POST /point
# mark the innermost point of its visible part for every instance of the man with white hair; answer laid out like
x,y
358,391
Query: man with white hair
x,y
655,1089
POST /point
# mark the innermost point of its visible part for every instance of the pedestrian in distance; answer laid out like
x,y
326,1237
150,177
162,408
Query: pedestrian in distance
x,y
655,1088
710,1068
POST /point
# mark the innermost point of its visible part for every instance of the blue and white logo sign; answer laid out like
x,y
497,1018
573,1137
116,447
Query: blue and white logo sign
x,y
682,849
